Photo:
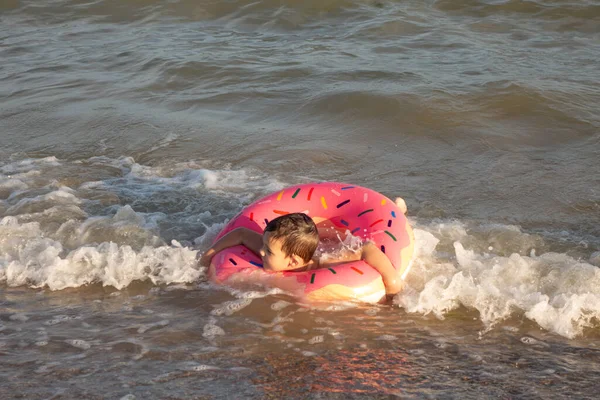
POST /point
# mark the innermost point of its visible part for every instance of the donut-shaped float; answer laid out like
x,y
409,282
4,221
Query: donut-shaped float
x,y
348,209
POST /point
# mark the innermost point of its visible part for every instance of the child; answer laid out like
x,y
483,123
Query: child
x,y
289,242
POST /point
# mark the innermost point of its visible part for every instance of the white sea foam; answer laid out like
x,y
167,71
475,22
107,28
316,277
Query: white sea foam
x,y
555,290
337,247
240,184
11,185
29,258
194,366
59,236
316,339
211,330
49,240
28,165
79,343
231,307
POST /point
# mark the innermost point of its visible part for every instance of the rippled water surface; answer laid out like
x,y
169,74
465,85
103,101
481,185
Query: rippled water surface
x,y
131,131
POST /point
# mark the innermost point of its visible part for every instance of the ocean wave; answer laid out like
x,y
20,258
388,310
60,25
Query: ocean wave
x,y
558,292
137,222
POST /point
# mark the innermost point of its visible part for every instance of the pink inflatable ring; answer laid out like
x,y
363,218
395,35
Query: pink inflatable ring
x,y
346,208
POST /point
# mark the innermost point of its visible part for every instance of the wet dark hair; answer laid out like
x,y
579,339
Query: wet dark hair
x,y
298,233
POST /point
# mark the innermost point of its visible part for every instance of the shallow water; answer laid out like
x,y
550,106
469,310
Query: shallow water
x,y
130,132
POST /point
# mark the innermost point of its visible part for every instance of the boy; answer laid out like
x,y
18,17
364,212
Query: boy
x,y
289,242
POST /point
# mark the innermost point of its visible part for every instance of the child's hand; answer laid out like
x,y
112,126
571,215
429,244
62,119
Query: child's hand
x,y
392,289
204,259
250,239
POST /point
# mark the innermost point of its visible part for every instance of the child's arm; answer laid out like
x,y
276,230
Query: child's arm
x,y
239,236
378,260
371,254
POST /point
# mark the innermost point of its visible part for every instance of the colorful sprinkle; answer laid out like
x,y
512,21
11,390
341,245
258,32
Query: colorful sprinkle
x,y
366,211
266,221
357,270
366,197
390,235
280,212
335,192
343,203
344,222
375,223
296,193
383,201
264,202
312,278
256,264
310,193
332,271
232,261
323,202
280,195
355,230
382,248
394,214
252,216
348,187
389,223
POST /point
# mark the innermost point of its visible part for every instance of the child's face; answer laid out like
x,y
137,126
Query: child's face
x,y
273,257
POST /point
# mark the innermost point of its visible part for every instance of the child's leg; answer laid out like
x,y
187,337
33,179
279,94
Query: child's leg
x,y
401,204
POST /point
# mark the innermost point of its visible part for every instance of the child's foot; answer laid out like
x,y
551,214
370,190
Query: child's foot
x,y
401,204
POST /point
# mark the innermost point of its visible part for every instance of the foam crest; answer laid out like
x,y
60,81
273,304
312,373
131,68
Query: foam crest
x,y
205,240
555,290
62,197
126,226
29,258
79,343
238,183
28,165
10,185
316,339
112,223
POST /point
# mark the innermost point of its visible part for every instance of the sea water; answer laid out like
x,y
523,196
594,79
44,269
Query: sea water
x,y
131,133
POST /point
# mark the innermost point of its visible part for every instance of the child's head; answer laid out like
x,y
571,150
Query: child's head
x,y
289,242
